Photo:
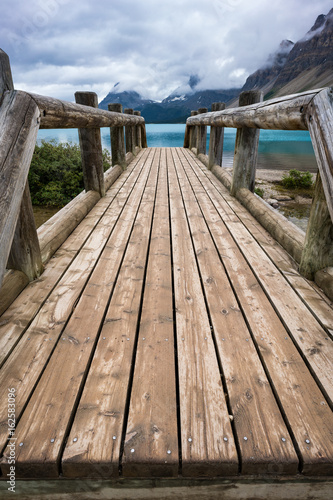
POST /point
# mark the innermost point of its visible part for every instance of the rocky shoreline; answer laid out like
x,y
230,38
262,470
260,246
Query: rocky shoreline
x,y
292,205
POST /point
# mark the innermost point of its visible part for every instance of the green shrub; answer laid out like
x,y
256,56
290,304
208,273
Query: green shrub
x,y
55,175
296,179
259,191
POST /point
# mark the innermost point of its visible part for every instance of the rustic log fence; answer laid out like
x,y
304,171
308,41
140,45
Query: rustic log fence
x,y
23,249
311,110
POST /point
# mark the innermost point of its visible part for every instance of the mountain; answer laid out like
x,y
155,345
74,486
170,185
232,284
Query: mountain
x,y
266,75
128,99
175,108
305,65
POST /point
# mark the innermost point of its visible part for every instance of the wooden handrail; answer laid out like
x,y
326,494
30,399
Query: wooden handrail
x,y
19,123
62,114
284,113
311,110
21,115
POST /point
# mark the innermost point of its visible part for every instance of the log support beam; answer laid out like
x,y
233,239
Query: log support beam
x,y
91,148
201,134
129,133
137,133
117,139
216,140
19,123
318,248
25,255
246,149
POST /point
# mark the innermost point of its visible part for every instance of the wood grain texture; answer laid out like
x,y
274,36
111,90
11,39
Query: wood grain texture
x,y
151,440
309,293
33,298
318,246
320,122
60,383
129,133
19,123
204,413
250,396
117,139
286,113
246,149
12,285
27,360
99,419
91,148
215,140
303,403
6,79
62,114
25,254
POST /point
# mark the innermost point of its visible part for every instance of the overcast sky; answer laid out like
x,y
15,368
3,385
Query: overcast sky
x,y
57,47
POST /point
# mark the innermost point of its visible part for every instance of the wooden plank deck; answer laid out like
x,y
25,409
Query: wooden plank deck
x,y
169,336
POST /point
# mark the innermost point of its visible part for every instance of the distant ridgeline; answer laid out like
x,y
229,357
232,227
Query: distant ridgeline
x,y
174,109
294,67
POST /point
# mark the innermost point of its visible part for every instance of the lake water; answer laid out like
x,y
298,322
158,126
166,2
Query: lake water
x,y
278,149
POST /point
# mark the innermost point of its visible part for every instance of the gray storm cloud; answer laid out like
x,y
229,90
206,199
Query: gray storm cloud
x,y
59,46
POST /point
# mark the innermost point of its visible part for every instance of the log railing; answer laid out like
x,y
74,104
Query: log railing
x,y
311,110
23,249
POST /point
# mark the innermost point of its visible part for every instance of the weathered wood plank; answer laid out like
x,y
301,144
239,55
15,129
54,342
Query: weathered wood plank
x,y
117,139
318,246
137,132
129,133
91,148
27,360
59,386
12,285
99,420
63,114
6,79
204,416
320,123
306,290
201,134
285,113
193,133
167,489
151,440
258,423
33,298
302,403
215,140
246,149
19,123
25,254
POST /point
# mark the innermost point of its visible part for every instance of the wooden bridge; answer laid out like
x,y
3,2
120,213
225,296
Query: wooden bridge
x,y
156,340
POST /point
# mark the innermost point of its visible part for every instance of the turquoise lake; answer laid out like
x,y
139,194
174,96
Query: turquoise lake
x,y
278,149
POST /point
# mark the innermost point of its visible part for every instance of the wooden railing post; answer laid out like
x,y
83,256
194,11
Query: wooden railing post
x,y
6,79
91,148
19,123
117,139
246,149
216,140
201,134
143,136
193,133
187,136
25,252
137,132
129,133
318,248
